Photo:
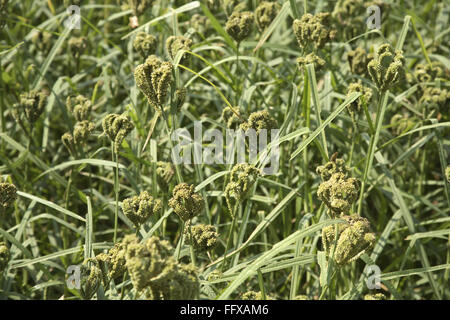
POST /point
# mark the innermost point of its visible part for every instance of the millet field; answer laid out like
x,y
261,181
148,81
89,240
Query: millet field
x,y
118,181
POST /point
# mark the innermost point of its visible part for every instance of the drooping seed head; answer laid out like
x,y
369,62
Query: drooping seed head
x,y
8,194
81,131
313,29
164,174
259,120
242,178
117,127
447,173
203,237
239,25
332,167
140,208
77,46
358,60
354,239
185,202
265,13
174,44
31,105
91,277
310,58
79,106
67,140
338,193
387,68
145,44
5,256
376,296
366,93
232,117
138,7
428,72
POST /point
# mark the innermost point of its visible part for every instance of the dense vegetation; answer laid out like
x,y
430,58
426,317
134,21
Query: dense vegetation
x,y
87,178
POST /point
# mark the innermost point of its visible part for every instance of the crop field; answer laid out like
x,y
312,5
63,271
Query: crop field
x,y
224,150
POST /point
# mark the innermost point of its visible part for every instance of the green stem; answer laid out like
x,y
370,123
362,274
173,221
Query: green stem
x,y
115,157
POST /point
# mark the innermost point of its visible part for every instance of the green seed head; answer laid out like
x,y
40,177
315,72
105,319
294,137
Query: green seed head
x,y
113,262
164,174
387,68
153,78
203,237
81,131
231,6
31,105
117,127
91,277
199,23
67,140
242,178
332,167
239,25
139,208
180,97
338,193
354,239
253,295
144,44
314,30
356,105
161,80
376,296
5,256
174,44
42,40
265,13
79,106
447,173
438,97
259,120
77,45
230,117
310,58
428,72
185,202
358,60
8,194
154,270
401,123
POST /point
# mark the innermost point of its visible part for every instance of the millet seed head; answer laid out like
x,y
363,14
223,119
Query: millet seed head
x,y
259,120
358,60
339,193
375,296
31,106
366,93
332,167
354,239
185,202
81,131
242,177
8,194
145,44
240,25
387,68
314,30
91,277
265,13
117,127
79,106
203,237
164,174
174,44
140,208
5,256
310,58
